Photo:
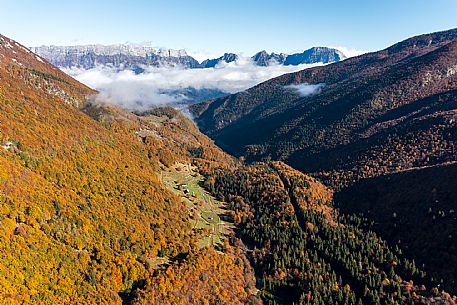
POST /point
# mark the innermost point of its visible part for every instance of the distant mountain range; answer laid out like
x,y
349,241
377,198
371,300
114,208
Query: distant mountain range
x,y
135,57
122,56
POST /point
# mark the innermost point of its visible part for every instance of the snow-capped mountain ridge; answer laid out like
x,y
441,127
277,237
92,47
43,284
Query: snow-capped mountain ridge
x,y
122,56
141,50
137,56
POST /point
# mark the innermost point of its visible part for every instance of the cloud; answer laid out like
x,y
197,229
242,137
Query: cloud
x,y
201,55
306,89
162,85
350,52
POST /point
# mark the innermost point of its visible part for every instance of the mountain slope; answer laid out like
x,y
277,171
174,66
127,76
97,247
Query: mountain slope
x,y
306,252
416,208
381,114
84,206
86,217
359,99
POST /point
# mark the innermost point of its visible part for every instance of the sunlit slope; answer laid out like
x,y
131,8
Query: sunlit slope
x,y
77,199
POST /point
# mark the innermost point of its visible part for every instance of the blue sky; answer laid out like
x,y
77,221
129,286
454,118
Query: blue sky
x,y
221,26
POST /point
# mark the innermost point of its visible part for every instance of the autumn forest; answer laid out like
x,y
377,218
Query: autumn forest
x,y
102,205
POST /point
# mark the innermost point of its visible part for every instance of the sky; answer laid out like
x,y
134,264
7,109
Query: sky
x,y
212,27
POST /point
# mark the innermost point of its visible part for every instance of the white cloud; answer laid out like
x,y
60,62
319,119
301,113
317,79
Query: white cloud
x,y
141,91
200,55
306,89
350,52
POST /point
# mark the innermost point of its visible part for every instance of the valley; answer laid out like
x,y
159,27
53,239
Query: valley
x,y
334,184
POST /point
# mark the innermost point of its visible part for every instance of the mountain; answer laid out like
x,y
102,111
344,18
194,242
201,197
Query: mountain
x,y
128,56
306,252
381,114
89,210
262,58
411,84
139,59
211,63
135,57
314,55
416,208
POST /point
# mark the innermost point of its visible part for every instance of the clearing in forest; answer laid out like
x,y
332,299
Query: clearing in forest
x,y
204,210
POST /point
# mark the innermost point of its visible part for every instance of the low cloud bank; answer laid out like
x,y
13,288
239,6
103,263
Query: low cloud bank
x,y
306,89
161,86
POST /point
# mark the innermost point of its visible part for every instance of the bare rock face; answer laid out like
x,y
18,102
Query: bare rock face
x,y
227,57
128,56
135,57
318,54
314,55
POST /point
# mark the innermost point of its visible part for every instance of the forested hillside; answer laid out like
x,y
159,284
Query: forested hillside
x,y
85,217
380,129
374,114
417,210
306,252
